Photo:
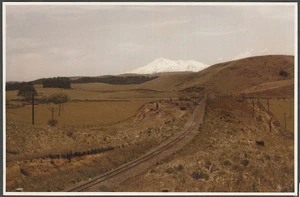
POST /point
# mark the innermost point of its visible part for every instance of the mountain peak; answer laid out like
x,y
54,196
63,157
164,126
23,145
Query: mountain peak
x,y
165,65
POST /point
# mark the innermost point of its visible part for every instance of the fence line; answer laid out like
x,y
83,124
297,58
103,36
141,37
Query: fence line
x,y
108,124
275,121
83,126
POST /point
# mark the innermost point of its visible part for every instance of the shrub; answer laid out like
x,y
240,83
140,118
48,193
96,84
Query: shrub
x,y
200,175
44,99
226,163
237,168
207,164
26,90
58,98
70,134
283,73
169,170
179,167
245,162
52,122
182,108
24,172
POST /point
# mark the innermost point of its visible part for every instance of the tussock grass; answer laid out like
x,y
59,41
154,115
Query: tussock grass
x,y
220,161
58,174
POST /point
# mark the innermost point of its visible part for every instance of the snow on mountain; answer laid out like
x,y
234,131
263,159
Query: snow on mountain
x,y
166,65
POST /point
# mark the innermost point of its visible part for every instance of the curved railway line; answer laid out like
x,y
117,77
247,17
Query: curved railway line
x,y
191,125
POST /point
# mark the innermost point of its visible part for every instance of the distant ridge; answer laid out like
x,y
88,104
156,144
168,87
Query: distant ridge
x,y
165,65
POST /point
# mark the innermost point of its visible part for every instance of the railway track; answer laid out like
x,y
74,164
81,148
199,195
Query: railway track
x,y
191,125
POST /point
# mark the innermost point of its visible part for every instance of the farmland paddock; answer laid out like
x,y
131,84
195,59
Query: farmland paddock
x,y
79,114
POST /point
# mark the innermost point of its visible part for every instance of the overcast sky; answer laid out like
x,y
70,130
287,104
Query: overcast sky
x,y
76,40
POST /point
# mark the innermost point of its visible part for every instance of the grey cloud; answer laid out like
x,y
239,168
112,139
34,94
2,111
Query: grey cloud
x,y
54,40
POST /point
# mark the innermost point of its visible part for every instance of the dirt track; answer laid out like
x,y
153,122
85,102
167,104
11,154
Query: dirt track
x,y
110,181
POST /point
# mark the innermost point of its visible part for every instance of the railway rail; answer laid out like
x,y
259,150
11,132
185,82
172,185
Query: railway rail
x,y
191,125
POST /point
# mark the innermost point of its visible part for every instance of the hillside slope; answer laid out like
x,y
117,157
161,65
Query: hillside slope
x,y
235,77
168,81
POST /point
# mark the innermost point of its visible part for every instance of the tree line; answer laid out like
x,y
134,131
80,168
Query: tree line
x,y
65,82
116,80
57,82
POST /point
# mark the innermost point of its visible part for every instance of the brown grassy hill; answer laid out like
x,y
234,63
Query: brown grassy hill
x,y
248,75
168,81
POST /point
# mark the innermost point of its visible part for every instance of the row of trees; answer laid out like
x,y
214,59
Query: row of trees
x,y
19,86
26,89
58,82
115,80
65,82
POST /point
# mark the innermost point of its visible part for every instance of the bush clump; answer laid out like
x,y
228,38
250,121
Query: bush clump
x,y
200,175
283,73
57,82
58,98
52,122
43,99
245,162
179,167
226,163
170,170
26,90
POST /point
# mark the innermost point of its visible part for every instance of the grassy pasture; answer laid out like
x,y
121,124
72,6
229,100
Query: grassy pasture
x,y
73,93
166,82
102,87
11,95
98,91
99,104
280,106
154,89
77,113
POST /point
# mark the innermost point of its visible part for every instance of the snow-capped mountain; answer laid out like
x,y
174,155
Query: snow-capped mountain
x,y
166,65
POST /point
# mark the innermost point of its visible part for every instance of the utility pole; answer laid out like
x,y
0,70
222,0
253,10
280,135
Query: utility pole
x,y
290,110
268,105
252,108
33,108
270,123
284,122
59,109
52,113
52,122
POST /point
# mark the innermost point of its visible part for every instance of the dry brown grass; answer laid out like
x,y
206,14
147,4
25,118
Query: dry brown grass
x,y
28,147
77,113
224,157
45,175
236,76
279,107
